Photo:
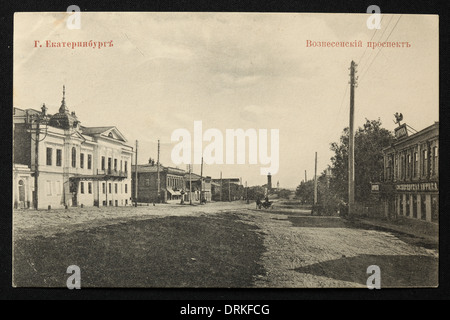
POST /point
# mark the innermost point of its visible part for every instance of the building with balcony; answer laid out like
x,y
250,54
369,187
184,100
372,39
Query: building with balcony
x,y
411,175
174,184
71,165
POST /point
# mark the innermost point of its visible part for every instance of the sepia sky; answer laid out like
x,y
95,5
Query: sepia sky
x,y
166,70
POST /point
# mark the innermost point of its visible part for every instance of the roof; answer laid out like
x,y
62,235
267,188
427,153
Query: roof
x,y
94,130
232,180
154,168
418,135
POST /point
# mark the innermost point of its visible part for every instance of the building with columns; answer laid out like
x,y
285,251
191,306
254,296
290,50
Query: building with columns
x,y
68,164
411,175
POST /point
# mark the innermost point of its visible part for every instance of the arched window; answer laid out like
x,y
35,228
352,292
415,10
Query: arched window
x,y
74,157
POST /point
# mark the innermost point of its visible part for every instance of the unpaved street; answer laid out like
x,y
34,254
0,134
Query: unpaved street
x,y
215,245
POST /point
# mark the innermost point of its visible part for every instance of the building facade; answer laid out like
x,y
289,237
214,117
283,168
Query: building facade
x,y
411,175
171,183
174,184
71,165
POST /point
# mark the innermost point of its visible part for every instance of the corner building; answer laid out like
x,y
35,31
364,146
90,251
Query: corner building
x,y
411,175
70,165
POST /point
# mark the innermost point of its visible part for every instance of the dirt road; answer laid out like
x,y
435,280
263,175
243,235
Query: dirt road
x,y
217,245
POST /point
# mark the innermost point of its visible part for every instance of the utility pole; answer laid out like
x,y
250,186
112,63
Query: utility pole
x,y
201,182
315,180
246,197
351,155
190,184
221,185
36,167
305,177
229,191
158,175
136,176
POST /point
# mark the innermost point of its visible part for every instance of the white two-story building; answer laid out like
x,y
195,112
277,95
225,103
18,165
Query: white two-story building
x,y
59,163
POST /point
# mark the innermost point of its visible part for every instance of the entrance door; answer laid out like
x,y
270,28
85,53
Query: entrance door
x,y
22,202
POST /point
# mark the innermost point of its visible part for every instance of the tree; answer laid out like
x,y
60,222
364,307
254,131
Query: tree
x,y
305,192
284,193
369,143
256,192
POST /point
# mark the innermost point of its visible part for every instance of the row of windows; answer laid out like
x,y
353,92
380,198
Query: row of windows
x,y
110,164
58,163
116,188
408,165
82,160
175,182
415,206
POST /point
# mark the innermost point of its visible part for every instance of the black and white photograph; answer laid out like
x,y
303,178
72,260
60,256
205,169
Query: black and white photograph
x,y
225,150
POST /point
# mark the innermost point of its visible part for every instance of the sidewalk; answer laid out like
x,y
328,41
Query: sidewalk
x,y
426,233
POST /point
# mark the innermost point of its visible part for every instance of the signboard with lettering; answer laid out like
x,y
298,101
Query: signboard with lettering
x,y
375,187
401,131
423,186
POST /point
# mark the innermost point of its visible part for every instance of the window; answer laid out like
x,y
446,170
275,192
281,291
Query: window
x,y
82,187
81,160
434,208
49,187
109,163
115,188
90,187
74,157
103,163
423,207
58,157
126,166
89,164
104,187
109,187
414,206
58,187
115,164
424,162
126,188
416,164
402,167
435,161
409,164
49,156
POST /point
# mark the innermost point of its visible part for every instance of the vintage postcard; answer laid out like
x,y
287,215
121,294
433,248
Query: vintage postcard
x,y
225,150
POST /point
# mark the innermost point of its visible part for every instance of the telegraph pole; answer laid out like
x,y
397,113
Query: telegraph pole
x,y
305,177
36,167
136,176
221,185
315,180
190,184
201,182
351,155
158,175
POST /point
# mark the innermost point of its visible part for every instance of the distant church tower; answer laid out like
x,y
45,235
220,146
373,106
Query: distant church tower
x,y
269,182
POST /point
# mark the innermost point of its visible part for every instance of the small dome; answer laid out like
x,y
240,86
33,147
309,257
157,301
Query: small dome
x,y
64,119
